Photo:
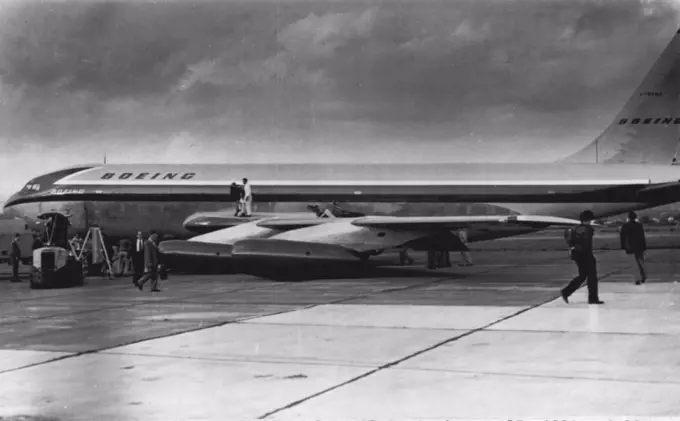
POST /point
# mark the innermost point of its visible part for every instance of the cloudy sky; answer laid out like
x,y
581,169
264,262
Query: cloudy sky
x,y
284,80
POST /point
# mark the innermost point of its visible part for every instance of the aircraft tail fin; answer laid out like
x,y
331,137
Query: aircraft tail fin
x,y
646,130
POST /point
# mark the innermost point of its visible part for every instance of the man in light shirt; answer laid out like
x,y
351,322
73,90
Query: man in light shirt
x,y
463,237
247,198
137,253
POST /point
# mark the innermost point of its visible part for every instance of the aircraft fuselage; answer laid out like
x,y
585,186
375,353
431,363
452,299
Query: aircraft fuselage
x,y
555,189
466,183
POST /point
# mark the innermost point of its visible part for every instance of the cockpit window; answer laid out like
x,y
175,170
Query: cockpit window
x,y
32,186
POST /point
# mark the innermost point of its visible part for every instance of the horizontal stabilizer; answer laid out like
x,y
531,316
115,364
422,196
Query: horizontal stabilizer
x,y
195,249
291,250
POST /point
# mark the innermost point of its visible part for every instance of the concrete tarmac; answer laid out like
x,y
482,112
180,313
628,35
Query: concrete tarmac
x,y
489,341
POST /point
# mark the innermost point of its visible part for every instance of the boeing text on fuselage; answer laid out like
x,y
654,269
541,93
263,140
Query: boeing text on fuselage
x,y
148,176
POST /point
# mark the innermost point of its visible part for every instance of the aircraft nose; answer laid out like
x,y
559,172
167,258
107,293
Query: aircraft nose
x,y
14,199
39,187
27,194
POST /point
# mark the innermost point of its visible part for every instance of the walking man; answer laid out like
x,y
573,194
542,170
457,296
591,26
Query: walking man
x,y
580,242
247,198
15,256
150,264
633,241
463,237
137,253
236,195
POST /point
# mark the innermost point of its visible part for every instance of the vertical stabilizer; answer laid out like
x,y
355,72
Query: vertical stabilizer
x,y
646,130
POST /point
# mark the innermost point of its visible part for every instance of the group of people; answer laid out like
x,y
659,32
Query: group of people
x,y
442,259
139,258
243,197
580,241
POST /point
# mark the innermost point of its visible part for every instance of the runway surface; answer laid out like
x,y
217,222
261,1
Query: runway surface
x,y
492,340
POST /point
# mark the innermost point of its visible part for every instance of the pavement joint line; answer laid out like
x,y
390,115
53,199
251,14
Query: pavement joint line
x,y
366,326
72,292
540,376
579,332
94,351
399,361
241,320
176,299
51,360
219,324
248,359
139,303
410,356
208,326
65,294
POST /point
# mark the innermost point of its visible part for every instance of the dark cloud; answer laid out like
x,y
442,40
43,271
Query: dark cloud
x,y
385,61
303,73
544,56
115,49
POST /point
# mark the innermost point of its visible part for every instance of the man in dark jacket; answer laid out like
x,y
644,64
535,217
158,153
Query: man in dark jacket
x,y
236,195
15,256
633,241
580,241
150,264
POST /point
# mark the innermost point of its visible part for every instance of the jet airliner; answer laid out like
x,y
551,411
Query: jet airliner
x,y
632,171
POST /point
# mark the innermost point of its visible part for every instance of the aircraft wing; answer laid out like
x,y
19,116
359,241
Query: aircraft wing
x,y
347,239
420,222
